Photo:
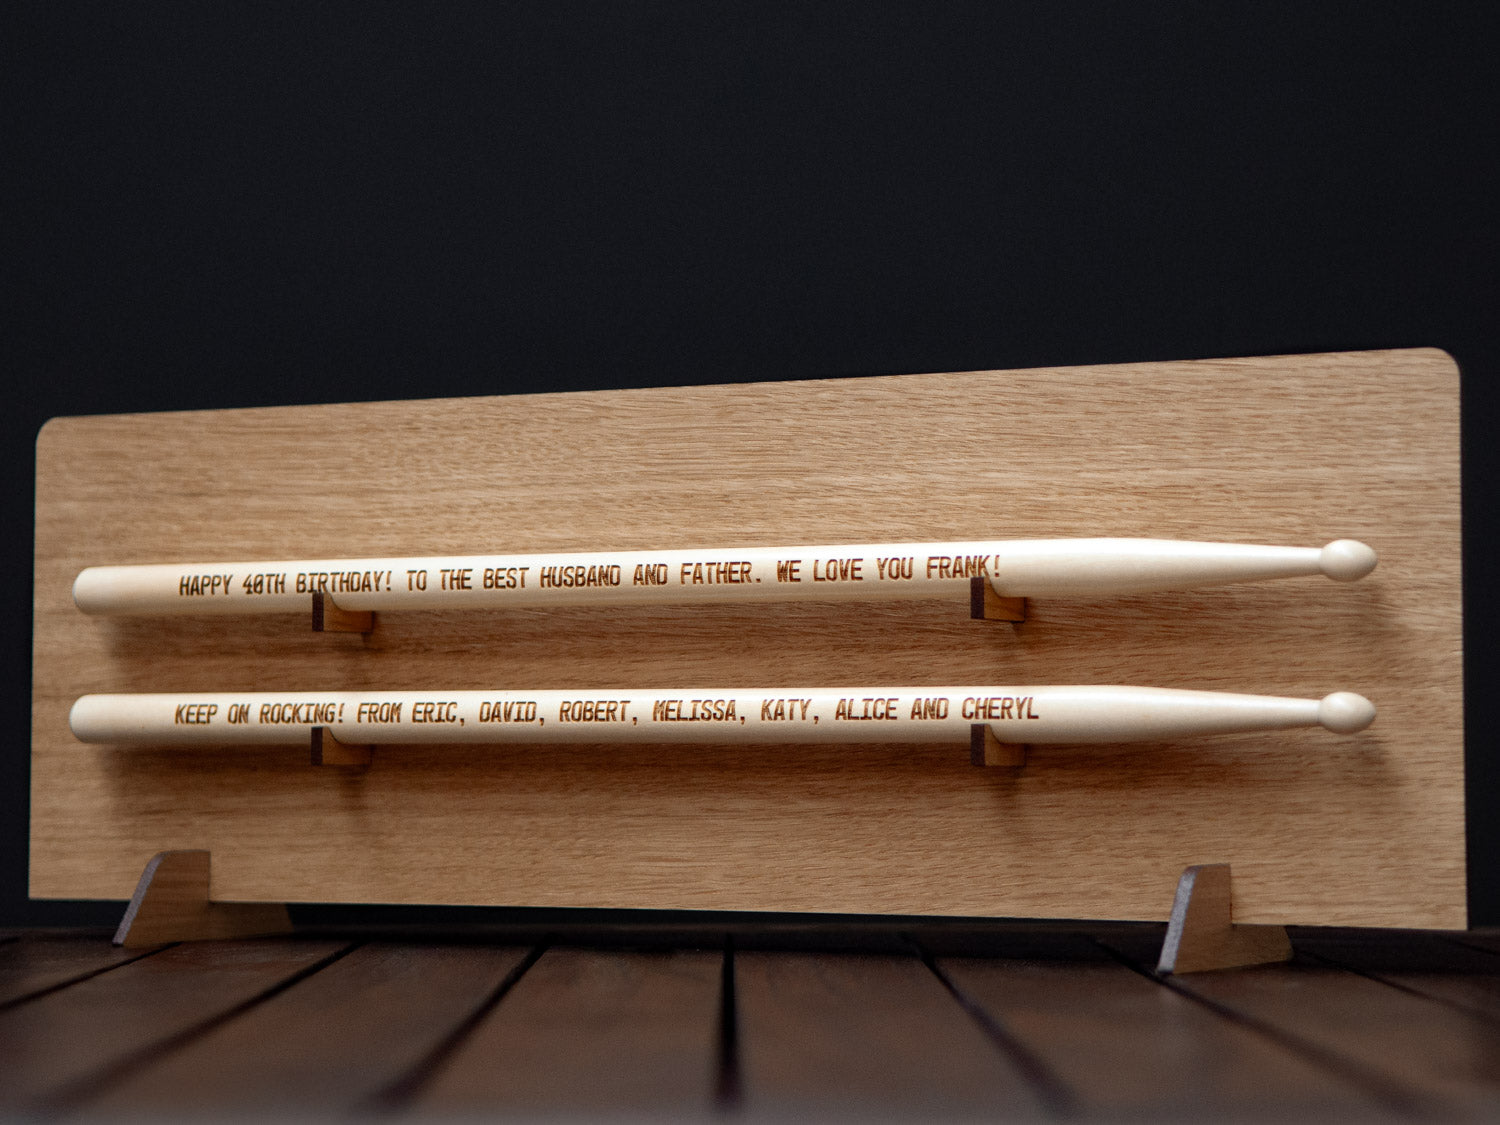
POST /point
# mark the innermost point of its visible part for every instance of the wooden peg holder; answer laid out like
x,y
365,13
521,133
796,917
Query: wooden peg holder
x,y
171,903
1202,935
329,751
987,750
329,618
986,605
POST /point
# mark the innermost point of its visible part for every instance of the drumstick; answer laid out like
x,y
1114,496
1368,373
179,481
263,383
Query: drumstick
x,y
1014,568
715,715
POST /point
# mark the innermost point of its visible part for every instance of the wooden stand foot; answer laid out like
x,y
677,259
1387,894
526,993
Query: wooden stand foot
x,y
985,604
987,750
329,618
1201,935
329,751
171,904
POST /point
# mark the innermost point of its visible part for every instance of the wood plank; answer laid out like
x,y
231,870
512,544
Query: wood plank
x,y
72,1044
1417,1055
588,1032
866,1034
1319,828
1121,1044
34,963
1435,965
333,1043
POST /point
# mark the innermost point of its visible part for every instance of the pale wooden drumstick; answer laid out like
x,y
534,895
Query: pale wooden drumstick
x,y
1036,715
1013,569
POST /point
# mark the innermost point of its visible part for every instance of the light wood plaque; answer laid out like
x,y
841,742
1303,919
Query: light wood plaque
x,y
1319,828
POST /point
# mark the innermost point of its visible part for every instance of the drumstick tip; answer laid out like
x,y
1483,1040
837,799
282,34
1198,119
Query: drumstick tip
x,y
1345,560
1344,712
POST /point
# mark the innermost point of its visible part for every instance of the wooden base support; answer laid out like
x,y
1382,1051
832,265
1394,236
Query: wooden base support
x,y
329,751
171,904
987,750
329,618
1201,935
986,605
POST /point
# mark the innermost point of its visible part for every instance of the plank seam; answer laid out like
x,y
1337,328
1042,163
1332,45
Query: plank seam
x,y
1389,1092
727,1092
72,1096
396,1096
26,998
1380,978
1056,1095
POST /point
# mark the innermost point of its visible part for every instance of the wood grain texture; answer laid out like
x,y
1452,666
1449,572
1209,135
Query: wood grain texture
x,y
30,965
1121,1044
1361,830
592,1032
63,1048
1416,1054
1432,965
333,1043
866,1035
1450,1056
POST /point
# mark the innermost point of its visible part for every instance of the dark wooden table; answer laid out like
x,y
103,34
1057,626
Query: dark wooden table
x,y
921,1021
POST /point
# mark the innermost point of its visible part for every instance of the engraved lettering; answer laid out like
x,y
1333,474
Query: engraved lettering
x,y
434,711
504,577
895,569
298,714
254,584
195,714
694,711
378,712
930,708
508,711
715,573
997,707
592,710
578,577
837,570
203,585
784,710
459,578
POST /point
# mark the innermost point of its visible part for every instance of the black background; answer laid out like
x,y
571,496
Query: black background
x,y
236,205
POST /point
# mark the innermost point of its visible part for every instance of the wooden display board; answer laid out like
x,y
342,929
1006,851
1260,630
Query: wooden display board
x,y
1320,828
